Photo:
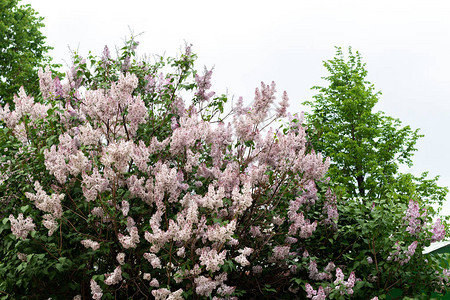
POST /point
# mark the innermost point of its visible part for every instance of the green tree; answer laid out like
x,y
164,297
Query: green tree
x,y
366,147
22,49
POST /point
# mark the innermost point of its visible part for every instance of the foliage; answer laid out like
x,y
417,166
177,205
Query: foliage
x,y
366,147
23,49
113,185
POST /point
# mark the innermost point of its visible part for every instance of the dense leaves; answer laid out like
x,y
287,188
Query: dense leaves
x,y
22,49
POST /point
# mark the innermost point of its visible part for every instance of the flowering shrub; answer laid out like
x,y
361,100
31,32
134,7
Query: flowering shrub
x,y
127,181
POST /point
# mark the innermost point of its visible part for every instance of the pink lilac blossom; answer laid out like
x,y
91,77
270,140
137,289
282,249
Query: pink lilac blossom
x,y
313,294
117,155
90,244
22,257
413,218
161,294
221,234
176,295
280,253
409,253
125,208
314,272
129,241
153,260
96,290
20,227
181,252
211,259
204,285
242,200
121,258
242,258
330,267
114,277
147,276
154,283
77,163
257,269
88,135
50,223
255,231
225,290
350,283
438,231
50,204
203,84
339,277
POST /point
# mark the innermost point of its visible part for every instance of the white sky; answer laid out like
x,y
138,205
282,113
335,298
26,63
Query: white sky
x,y
406,45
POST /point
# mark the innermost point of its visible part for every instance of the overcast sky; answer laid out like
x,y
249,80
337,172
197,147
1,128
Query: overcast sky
x,y
406,45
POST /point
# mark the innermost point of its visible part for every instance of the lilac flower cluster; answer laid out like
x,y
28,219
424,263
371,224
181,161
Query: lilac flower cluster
x,y
20,227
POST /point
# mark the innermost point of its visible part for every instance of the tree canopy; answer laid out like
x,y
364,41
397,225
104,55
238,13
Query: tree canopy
x,y
22,49
366,147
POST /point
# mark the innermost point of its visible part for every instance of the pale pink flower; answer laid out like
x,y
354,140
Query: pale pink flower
x,y
154,283
50,223
129,241
90,244
242,258
121,258
20,227
161,294
153,260
204,285
114,277
50,204
211,258
438,231
22,256
96,290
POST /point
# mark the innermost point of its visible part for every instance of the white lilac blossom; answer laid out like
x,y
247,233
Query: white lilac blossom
x,y
20,227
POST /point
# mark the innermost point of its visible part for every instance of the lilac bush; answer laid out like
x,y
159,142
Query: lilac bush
x,y
127,180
